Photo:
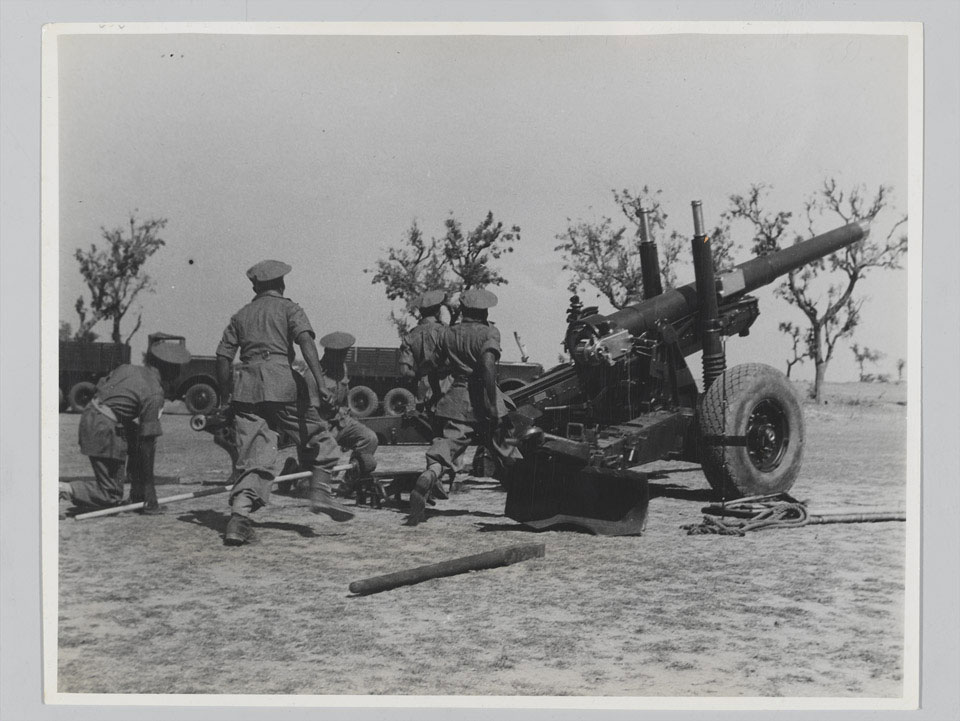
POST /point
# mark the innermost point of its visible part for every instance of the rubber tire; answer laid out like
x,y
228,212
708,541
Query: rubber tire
x,y
397,401
201,398
80,395
728,468
363,401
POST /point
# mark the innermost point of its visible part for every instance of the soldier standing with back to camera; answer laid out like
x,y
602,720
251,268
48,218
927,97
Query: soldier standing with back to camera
x,y
122,421
473,410
267,400
419,352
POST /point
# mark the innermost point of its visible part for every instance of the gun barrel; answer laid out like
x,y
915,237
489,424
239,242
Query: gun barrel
x,y
583,335
762,271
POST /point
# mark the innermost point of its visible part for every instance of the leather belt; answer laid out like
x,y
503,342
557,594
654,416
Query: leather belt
x,y
261,356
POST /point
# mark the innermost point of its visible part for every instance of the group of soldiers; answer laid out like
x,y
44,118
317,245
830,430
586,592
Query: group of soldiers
x,y
272,402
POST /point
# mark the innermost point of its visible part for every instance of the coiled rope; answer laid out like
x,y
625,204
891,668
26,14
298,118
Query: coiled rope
x,y
777,510
736,518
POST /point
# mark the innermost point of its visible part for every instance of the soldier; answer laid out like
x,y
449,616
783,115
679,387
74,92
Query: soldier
x,y
268,400
331,402
474,409
123,421
419,352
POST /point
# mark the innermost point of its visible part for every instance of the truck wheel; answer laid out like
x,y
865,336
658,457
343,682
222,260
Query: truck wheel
x,y
751,432
80,395
200,398
363,401
398,401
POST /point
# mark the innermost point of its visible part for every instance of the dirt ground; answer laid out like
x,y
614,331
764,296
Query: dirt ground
x,y
159,605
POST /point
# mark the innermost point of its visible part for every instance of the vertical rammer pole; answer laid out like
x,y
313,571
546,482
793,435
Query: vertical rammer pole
x,y
714,361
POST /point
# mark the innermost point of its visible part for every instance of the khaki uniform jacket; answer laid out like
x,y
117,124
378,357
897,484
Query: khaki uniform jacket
x,y
420,349
265,331
460,348
131,394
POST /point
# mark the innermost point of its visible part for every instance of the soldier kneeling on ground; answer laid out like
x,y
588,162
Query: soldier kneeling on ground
x,y
122,421
331,403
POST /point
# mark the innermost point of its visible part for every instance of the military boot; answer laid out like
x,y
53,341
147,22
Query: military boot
x,y
239,531
419,497
322,500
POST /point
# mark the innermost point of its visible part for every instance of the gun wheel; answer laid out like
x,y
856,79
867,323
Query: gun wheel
x,y
751,432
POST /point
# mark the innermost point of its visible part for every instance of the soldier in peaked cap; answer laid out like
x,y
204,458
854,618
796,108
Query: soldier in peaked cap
x,y
330,401
269,399
122,422
419,356
474,409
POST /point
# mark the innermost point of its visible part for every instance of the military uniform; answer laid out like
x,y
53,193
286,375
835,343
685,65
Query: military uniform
x,y
420,350
461,411
334,412
120,424
269,398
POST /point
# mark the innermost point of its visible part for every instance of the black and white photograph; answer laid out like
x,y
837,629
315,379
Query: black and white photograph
x,y
557,364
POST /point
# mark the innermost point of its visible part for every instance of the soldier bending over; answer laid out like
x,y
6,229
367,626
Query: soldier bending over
x,y
122,421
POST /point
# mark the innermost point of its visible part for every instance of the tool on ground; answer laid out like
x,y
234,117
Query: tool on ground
x,y
628,397
479,561
186,496
776,510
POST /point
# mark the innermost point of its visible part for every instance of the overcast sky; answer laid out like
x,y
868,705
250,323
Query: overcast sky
x,y
321,150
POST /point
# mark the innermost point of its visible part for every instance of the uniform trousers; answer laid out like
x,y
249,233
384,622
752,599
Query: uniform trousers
x,y
121,440
259,428
456,435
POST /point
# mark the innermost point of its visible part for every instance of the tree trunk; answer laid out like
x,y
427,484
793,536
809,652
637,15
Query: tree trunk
x,y
818,381
116,330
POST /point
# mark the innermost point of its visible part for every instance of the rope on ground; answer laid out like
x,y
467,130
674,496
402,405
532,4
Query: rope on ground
x,y
777,510
736,518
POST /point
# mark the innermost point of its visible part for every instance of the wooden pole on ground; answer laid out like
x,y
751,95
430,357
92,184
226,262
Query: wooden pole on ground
x,y
868,517
489,559
195,494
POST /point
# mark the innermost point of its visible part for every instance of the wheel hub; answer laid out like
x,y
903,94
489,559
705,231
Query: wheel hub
x,y
767,435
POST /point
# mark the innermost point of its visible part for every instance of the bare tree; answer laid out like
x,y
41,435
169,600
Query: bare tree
x,y
863,356
114,275
824,291
456,262
799,356
607,257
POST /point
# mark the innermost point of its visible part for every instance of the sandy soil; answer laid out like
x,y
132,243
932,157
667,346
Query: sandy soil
x,y
159,605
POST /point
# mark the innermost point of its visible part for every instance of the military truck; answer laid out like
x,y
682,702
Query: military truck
x,y
82,364
375,380
374,372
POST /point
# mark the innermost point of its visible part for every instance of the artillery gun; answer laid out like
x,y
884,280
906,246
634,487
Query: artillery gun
x,y
628,396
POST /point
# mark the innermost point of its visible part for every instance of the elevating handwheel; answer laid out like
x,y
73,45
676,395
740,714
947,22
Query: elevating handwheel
x,y
751,432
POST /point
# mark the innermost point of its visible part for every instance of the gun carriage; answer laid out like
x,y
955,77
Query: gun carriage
x,y
628,396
